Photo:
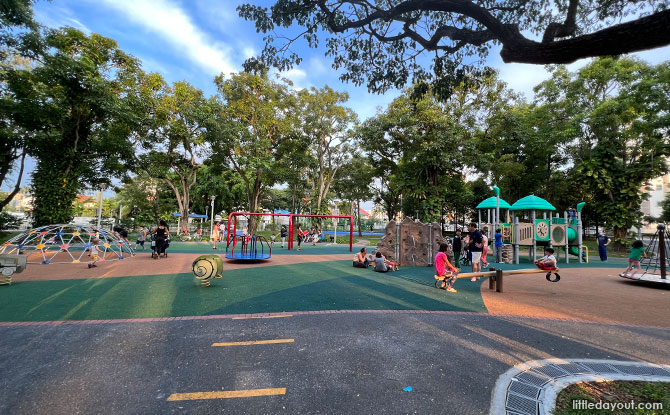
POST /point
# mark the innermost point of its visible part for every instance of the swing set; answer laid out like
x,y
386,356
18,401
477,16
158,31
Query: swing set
x,y
251,252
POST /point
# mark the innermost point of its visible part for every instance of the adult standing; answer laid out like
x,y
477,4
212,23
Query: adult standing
x,y
457,246
162,231
300,236
216,230
475,243
603,241
283,233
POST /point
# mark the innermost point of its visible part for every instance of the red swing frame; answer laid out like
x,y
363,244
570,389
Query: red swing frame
x,y
291,227
233,218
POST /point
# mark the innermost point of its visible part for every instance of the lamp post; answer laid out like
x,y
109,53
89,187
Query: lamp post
x,y
102,189
211,224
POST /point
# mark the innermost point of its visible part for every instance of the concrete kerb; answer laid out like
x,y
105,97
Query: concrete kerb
x,y
505,401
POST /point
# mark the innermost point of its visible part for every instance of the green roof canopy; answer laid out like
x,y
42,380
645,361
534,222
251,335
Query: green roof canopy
x,y
532,202
490,203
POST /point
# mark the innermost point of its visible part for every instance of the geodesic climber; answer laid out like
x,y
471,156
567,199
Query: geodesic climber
x,y
66,244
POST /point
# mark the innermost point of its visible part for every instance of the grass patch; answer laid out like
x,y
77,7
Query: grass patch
x,y
617,393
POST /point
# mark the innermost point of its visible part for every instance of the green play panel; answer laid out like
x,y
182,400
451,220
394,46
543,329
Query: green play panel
x,y
333,285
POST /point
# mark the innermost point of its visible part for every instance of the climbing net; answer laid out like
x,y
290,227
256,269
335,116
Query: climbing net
x,y
66,244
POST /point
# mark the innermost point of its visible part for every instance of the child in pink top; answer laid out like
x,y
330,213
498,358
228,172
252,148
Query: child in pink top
x,y
442,264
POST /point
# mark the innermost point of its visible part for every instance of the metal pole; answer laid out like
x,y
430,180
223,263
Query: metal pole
x,y
661,249
351,234
516,240
579,235
534,250
567,232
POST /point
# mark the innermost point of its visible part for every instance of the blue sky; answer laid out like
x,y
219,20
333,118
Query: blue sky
x,y
195,40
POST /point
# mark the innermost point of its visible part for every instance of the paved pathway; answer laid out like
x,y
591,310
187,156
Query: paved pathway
x,y
356,362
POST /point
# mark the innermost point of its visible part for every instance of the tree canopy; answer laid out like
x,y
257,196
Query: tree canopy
x,y
385,42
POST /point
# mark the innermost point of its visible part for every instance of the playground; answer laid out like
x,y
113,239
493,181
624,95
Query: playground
x,y
305,332
318,278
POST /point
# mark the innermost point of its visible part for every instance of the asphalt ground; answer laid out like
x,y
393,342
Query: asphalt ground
x,y
353,363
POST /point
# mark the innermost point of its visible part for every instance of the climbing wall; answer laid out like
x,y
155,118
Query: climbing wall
x,y
413,240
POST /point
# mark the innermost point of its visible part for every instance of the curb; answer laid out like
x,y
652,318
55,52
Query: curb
x,y
531,388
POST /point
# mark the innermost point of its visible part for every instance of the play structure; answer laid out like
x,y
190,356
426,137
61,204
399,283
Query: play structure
x,y
232,219
411,243
656,261
555,231
66,244
249,248
206,268
496,276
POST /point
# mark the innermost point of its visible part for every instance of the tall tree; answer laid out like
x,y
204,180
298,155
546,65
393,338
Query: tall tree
x,y
353,183
327,125
257,115
384,43
171,139
622,142
74,105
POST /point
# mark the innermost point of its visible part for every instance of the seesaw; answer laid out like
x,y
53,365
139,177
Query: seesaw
x,y
496,276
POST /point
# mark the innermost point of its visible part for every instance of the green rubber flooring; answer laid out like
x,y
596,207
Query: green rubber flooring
x,y
333,285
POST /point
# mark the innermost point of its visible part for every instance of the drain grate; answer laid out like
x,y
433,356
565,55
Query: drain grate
x,y
533,378
551,371
636,370
573,368
600,367
522,405
524,389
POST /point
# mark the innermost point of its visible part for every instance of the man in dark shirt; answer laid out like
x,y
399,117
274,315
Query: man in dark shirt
x,y
476,245
603,241
457,246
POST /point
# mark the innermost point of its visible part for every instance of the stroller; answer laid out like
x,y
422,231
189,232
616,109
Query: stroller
x,y
465,256
154,247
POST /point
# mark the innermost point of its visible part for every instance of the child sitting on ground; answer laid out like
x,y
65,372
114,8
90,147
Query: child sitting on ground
x,y
441,265
636,252
548,261
94,253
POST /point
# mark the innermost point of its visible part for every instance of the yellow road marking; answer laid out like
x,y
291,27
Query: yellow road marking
x,y
249,343
226,394
244,318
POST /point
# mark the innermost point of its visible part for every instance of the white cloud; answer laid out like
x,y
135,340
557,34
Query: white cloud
x,y
59,17
171,23
523,77
317,66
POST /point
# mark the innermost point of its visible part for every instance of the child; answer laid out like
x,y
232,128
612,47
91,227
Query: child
x,y
636,252
141,237
499,245
272,239
94,253
441,265
548,261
